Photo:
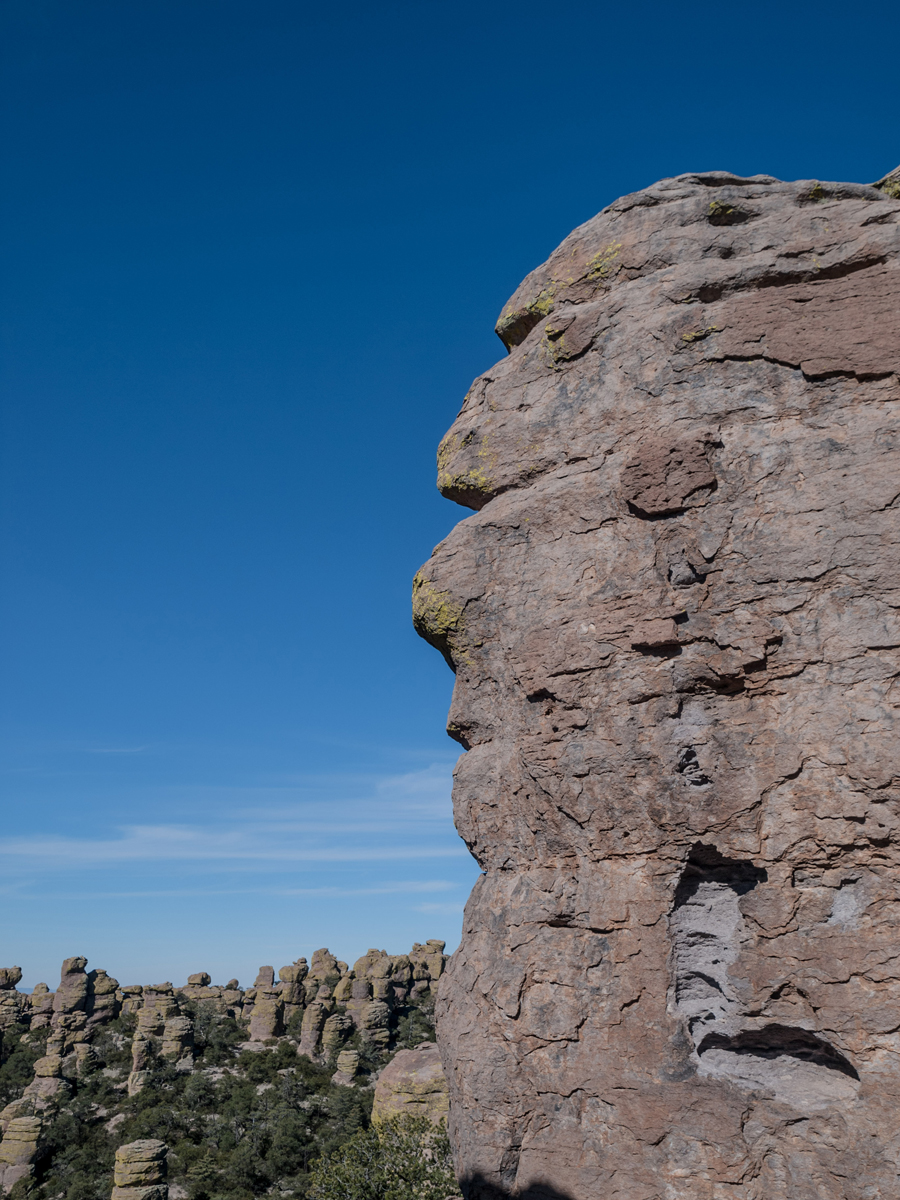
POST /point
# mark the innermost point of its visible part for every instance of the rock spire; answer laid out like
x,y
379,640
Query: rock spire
x,y
673,618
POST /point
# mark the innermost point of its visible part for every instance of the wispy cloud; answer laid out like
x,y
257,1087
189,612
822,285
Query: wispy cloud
x,y
170,842
408,887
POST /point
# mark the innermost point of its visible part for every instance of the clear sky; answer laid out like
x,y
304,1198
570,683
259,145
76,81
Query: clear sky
x,y
252,255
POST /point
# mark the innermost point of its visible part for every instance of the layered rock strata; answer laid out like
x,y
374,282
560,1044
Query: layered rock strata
x,y
140,1171
674,624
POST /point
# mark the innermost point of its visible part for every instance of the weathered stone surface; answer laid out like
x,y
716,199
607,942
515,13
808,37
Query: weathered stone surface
x,y
412,1084
178,1038
140,1171
673,621
19,1149
140,1164
268,1011
347,1065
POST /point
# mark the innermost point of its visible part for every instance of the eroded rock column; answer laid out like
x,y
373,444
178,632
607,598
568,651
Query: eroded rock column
x,y
673,622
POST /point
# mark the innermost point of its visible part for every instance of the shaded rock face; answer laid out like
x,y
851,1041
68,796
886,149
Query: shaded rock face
x,y
674,627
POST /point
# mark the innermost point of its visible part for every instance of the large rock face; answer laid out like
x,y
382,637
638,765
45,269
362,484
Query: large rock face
x,y
674,624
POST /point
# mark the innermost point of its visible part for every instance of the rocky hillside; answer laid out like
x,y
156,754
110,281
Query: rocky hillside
x,y
246,1086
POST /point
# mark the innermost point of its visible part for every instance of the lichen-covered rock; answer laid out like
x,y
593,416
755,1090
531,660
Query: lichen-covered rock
x,y
177,1038
268,1011
673,620
375,1020
412,1084
140,1171
19,1149
334,1031
347,1065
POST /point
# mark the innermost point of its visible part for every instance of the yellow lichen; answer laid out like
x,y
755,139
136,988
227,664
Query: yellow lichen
x,y
473,478
699,334
438,618
600,266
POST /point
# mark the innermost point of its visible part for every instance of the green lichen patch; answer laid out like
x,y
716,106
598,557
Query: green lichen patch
x,y
515,324
815,195
473,485
602,267
698,335
437,617
891,188
720,212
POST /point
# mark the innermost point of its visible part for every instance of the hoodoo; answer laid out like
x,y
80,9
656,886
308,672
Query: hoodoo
x,y
674,624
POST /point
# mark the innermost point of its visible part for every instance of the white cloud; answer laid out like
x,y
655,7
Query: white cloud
x,y
180,842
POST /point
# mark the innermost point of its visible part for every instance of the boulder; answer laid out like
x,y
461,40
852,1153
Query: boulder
x,y
412,1084
672,614
19,1149
140,1171
347,1065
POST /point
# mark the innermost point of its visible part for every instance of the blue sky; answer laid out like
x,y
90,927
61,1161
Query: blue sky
x,y
252,258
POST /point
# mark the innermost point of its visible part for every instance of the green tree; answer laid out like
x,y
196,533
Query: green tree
x,y
402,1158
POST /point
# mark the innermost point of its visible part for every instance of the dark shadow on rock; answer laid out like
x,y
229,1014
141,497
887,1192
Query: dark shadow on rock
x,y
476,1187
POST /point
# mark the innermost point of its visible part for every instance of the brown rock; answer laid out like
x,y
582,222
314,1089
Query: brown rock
x,y
673,625
412,1084
266,1021
72,993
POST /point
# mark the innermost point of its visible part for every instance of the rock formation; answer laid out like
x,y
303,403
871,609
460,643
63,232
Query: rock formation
x,y
674,624
19,1149
140,1171
316,1009
412,1084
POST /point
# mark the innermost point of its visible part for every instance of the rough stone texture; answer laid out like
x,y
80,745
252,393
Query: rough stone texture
x,y
674,627
19,1149
412,1084
268,1011
347,1065
140,1171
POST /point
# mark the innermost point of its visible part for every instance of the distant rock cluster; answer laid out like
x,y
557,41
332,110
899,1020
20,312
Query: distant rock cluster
x,y
317,1005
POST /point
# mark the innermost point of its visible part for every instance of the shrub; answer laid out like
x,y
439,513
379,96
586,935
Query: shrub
x,y
402,1158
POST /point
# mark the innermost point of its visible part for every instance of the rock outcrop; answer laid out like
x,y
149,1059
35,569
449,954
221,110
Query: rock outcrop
x,y
674,624
140,1171
19,1149
412,1084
